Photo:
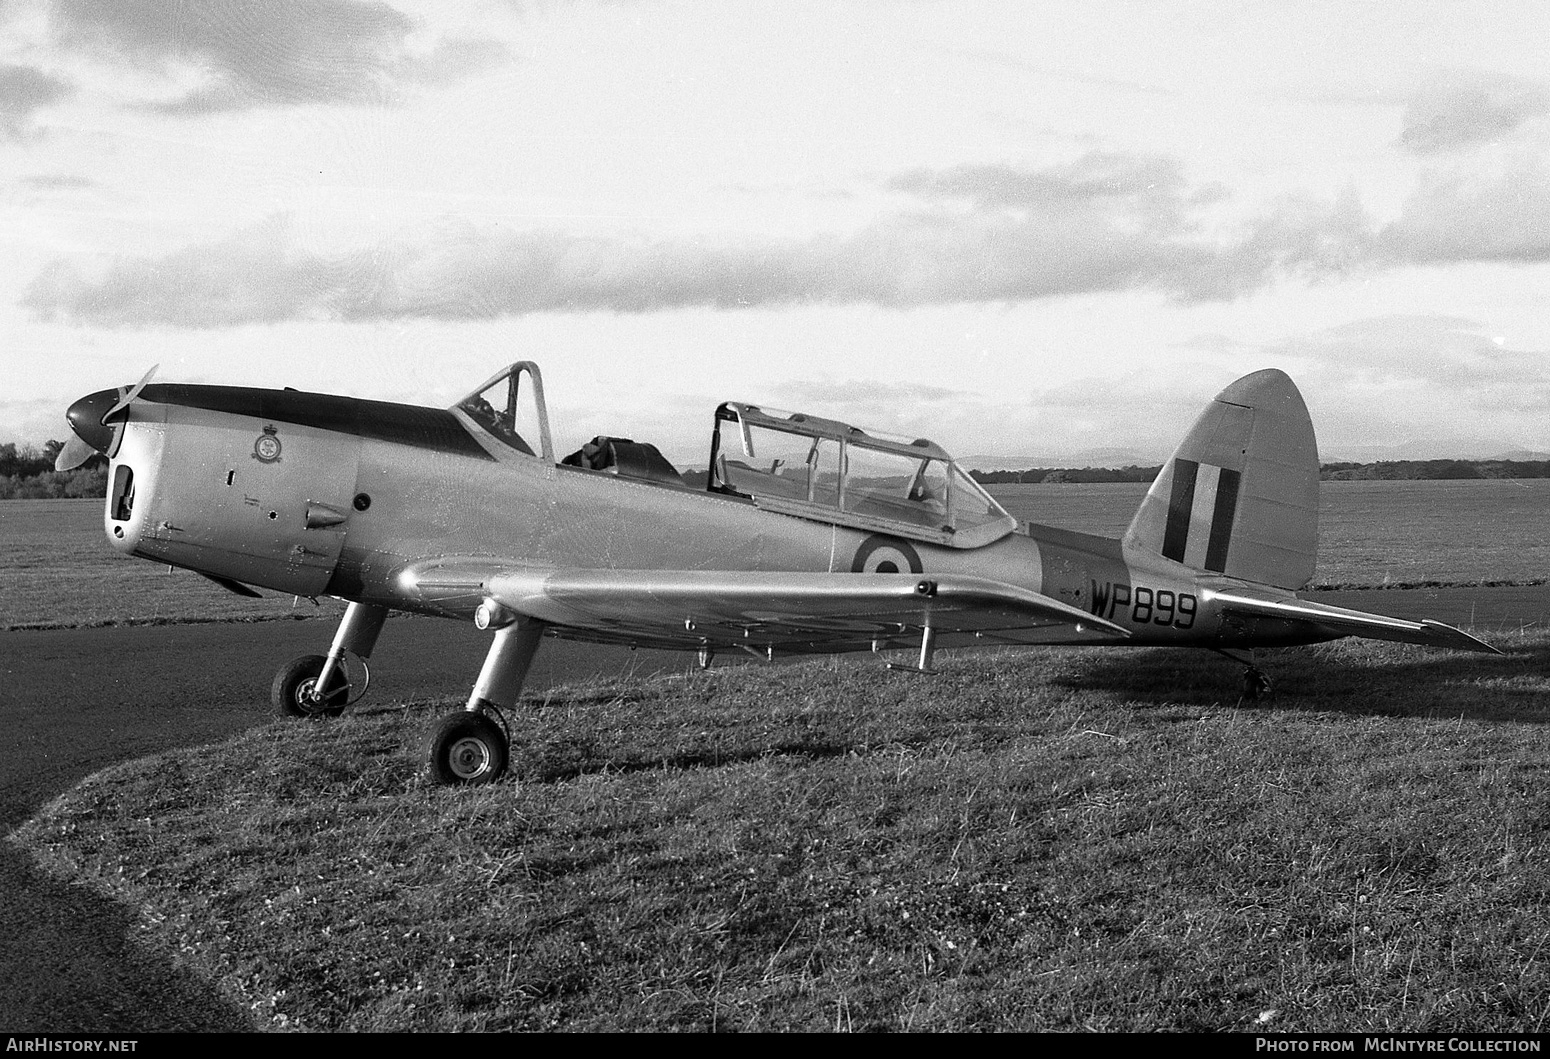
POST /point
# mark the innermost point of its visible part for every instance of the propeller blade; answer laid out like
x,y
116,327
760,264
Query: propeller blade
x,y
75,453
128,398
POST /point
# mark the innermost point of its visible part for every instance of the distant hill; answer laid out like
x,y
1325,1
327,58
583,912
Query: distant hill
x,y
1053,475
1434,470
1095,458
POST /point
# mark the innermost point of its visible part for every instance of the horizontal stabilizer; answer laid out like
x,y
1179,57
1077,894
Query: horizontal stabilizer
x,y
1344,622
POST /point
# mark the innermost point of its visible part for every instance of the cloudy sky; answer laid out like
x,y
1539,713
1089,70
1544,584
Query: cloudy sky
x,y
1016,228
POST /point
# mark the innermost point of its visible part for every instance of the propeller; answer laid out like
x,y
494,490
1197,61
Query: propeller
x,y
129,397
75,453
92,432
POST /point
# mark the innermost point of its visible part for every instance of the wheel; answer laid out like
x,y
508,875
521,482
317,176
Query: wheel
x,y
1255,684
467,748
291,692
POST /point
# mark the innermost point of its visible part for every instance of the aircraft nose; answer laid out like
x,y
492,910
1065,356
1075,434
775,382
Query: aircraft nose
x,y
91,435
85,417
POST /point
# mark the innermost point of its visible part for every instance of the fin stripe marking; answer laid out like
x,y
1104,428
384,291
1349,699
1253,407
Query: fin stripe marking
x,y
1180,502
1222,520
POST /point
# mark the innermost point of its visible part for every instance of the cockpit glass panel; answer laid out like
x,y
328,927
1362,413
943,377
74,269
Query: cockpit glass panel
x,y
496,409
970,506
763,462
895,486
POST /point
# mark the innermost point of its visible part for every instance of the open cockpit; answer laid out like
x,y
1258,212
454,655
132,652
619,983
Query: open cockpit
x,y
791,463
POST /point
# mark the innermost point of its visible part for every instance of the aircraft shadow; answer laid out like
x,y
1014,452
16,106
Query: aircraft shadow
x,y
1325,678
560,762
72,965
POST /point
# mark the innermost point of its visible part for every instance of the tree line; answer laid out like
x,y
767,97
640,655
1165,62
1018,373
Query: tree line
x,y
1384,470
27,473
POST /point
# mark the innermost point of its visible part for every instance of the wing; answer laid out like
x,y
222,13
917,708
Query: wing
x,y
802,612
1340,621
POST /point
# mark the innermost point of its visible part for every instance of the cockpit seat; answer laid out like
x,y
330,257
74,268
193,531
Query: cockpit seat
x,y
628,459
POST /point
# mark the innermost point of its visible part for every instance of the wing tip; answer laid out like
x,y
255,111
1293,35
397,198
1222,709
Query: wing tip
x,y
1458,639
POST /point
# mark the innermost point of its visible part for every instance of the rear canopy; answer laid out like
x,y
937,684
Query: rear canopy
x,y
832,472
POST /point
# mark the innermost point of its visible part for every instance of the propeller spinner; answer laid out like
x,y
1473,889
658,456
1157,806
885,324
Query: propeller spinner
x,y
89,417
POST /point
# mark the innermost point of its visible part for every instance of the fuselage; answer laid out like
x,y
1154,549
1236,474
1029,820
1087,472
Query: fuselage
x,y
314,494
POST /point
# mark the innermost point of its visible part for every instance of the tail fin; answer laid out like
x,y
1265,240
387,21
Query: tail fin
x,y
1240,496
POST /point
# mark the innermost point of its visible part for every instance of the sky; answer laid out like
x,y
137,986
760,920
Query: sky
x,y
1050,230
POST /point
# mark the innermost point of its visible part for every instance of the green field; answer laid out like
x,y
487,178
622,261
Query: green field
x,y
59,570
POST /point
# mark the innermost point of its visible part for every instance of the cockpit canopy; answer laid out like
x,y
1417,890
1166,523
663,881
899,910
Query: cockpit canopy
x,y
826,470
788,462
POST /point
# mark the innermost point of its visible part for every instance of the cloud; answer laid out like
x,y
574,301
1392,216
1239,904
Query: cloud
x,y
1451,217
1155,182
277,53
1410,376
247,278
1462,110
57,182
24,90
1105,223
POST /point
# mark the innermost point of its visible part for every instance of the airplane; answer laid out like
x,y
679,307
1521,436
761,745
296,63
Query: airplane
x,y
808,536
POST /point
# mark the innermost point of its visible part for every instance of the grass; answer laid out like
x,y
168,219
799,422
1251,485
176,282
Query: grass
x,y
60,572
1069,839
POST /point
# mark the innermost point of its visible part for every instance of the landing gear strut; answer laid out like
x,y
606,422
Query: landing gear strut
x,y
321,685
471,747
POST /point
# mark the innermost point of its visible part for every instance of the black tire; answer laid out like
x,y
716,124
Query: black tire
x,y
290,694
466,749
1255,685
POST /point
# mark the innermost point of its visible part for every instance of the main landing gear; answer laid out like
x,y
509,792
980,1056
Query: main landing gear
x,y
468,747
471,746
1255,684
323,685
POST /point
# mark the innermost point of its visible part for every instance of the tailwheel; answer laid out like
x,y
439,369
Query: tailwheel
x,y
294,692
1255,684
467,748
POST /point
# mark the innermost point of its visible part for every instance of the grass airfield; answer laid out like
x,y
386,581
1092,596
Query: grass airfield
x,y
1052,840
1070,839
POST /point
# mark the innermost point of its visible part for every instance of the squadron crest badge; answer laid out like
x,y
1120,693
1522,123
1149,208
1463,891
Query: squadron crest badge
x,y
266,449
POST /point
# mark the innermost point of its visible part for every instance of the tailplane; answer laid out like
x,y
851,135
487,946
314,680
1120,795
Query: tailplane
x,y
1240,495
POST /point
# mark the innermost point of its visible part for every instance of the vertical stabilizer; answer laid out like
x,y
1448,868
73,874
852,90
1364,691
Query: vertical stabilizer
x,y
1240,495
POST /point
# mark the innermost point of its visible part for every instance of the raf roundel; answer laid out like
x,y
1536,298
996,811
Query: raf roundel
x,y
266,449
885,555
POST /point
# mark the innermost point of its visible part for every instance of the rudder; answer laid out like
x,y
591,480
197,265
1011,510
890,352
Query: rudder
x,y
1240,494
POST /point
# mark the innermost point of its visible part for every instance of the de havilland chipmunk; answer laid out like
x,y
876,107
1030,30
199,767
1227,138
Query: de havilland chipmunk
x,y
809,536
